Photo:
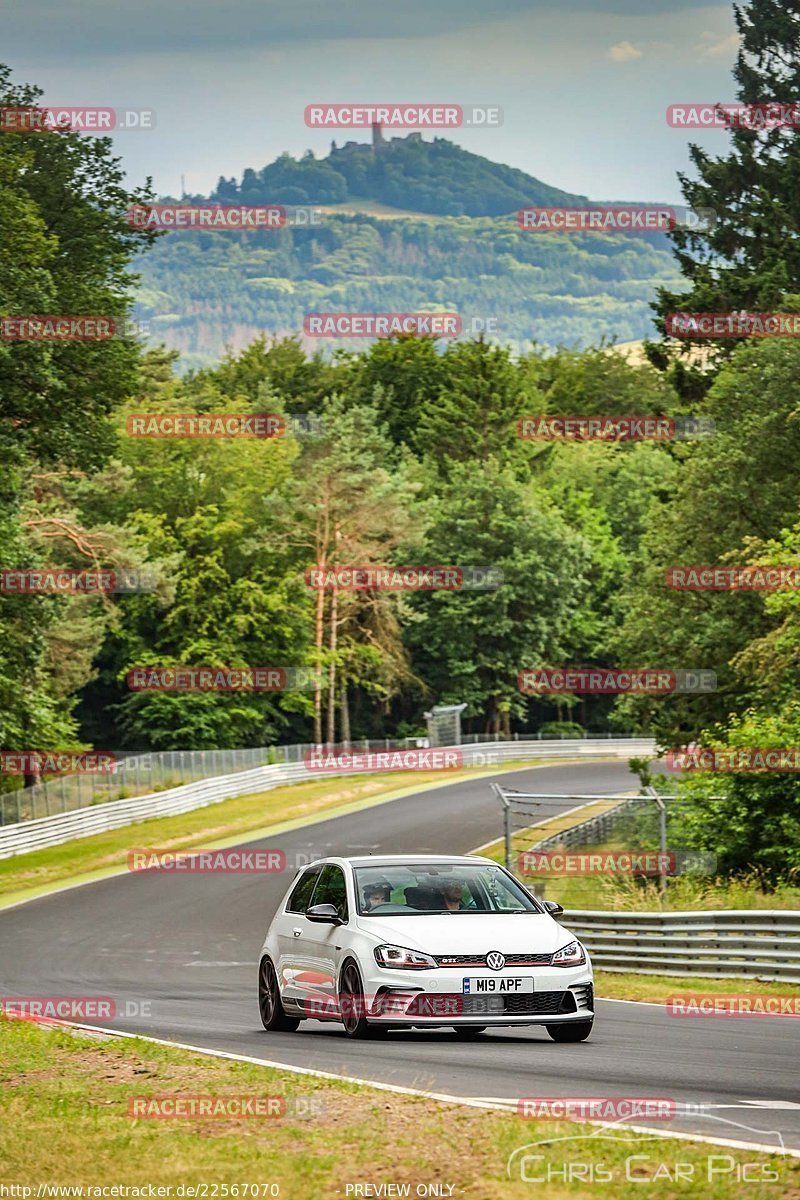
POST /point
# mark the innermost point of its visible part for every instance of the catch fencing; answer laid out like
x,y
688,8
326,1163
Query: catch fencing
x,y
762,944
25,836
158,771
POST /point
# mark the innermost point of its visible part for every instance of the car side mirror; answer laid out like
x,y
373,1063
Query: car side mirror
x,y
324,914
550,906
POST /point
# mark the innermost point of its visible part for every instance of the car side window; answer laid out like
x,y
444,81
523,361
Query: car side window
x,y
300,897
331,889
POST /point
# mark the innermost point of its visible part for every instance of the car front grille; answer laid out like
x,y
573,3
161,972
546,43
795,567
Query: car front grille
x,y
479,960
529,1004
443,1005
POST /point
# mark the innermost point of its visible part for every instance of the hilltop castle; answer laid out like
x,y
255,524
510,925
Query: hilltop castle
x,y
379,142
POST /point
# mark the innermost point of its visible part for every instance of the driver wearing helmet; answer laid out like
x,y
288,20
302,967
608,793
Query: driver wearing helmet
x,y
376,894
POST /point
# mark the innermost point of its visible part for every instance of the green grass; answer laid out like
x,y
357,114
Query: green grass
x,y
65,1120
623,985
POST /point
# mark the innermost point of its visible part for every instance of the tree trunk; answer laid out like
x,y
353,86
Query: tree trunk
x,y
345,715
319,630
321,538
332,667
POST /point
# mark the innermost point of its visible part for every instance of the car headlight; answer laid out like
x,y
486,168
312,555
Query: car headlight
x,y
571,955
402,957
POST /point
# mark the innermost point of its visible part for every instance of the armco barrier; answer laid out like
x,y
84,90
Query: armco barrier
x,y
26,836
754,943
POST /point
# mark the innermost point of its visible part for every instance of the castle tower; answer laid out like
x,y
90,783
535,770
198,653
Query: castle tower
x,y
377,136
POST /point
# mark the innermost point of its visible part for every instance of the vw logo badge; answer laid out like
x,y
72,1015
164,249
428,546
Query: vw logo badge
x,y
495,960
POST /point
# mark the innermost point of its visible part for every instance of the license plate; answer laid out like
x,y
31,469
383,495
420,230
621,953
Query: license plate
x,y
499,985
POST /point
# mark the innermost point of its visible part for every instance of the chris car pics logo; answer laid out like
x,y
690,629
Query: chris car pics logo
x,y
595,1158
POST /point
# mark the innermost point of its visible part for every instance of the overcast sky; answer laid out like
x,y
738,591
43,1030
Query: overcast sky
x,y
583,84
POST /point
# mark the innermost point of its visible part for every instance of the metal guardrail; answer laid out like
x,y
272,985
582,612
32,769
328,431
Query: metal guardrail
x,y
25,836
724,944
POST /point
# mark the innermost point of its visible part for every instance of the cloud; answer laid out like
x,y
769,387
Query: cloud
x,y
624,52
728,47
50,30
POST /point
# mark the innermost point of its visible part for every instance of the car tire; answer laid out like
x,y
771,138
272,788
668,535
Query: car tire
x,y
576,1031
273,1016
468,1032
355,1023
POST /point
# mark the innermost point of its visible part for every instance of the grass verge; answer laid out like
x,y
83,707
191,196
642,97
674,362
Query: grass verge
x,y
66,1121
625,985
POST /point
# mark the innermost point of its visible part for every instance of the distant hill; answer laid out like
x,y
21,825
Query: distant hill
x,y
201,291
411,226
408,173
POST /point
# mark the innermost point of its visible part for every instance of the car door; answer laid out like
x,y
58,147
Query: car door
x,y
292,929
324,943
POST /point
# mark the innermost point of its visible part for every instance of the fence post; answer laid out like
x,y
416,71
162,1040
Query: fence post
x,y
662,841
498,791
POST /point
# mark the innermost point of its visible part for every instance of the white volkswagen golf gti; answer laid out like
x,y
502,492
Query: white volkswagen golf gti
x,y
397,941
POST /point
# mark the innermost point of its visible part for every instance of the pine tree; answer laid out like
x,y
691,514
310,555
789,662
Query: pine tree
x,y
750,260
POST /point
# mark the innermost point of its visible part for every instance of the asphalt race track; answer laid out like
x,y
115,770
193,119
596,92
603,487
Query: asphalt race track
x,y
187,944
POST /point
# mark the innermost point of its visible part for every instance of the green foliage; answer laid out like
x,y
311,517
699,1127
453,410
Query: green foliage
x,y
755,824
470,645
750,258
64,249
561,729
204,291
733,496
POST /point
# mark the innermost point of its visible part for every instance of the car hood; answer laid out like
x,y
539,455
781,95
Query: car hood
x,y
465,933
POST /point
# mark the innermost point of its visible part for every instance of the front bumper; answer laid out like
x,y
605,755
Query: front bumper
x,y
431,998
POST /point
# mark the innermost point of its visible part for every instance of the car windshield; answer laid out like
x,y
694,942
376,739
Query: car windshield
x,y
414,889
